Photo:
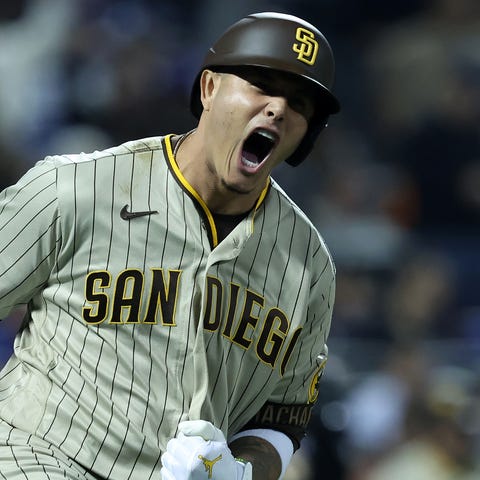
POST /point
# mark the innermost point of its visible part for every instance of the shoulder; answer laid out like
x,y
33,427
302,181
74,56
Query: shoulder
x,y
286,205
80,176
283,209
102,165
280,201
129,148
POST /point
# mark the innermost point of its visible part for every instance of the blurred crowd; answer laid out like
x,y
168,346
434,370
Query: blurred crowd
x,y
393,185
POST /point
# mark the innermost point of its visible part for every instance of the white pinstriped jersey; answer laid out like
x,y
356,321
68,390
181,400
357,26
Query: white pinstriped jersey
x,y
136,324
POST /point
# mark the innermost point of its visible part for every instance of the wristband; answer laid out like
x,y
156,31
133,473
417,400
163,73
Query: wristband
x,y
282,444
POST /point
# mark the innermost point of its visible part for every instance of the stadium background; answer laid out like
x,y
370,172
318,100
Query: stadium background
x,y
393,185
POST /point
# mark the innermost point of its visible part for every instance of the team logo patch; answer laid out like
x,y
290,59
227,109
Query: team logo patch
x,y
306,47
315,383
208,464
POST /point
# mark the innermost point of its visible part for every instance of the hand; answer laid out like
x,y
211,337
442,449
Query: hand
x,y
200,452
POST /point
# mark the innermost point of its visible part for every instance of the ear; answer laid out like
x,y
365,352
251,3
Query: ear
x,y
208,87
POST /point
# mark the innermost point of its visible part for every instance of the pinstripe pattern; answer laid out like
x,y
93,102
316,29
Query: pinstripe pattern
x,y
136,325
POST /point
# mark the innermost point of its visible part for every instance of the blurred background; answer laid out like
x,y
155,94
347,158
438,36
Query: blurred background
x,y
393,185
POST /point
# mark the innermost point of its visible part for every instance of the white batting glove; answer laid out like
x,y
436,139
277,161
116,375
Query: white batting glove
x,y
200,452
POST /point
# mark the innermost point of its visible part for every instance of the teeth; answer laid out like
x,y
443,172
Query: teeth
x,y
249,163
267,134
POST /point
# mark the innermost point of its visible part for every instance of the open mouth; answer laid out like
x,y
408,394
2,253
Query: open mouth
x,y
257,147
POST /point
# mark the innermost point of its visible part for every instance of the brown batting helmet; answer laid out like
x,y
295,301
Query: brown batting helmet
x,y
285,43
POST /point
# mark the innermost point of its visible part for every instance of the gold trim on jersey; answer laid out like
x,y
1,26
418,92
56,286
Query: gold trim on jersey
x,y
314,384
184,182
190,189
260,200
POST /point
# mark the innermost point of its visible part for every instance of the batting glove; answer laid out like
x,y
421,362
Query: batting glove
x,y
200,452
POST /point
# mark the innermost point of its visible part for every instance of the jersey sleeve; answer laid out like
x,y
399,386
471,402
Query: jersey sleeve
x,y
29,235
300,382
289,407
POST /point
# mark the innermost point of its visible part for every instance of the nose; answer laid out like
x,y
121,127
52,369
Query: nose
x,y
276,108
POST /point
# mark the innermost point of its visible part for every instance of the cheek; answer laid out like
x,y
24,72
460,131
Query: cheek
x,y
302,124
298,127
233,113
236,98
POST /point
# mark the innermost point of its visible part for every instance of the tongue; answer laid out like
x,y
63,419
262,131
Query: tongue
x,y
251,157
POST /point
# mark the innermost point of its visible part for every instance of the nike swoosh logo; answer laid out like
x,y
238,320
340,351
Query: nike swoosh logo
x,y
126,215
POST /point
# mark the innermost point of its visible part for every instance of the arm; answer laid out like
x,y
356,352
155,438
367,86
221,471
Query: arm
x,y
269,439
28,236
265,459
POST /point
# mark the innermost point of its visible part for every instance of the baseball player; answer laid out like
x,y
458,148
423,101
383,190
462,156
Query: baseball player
x,y
179,302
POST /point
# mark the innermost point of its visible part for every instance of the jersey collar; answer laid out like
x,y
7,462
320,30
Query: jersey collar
x,y
172,163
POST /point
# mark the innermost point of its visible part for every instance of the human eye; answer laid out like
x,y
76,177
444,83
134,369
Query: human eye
x,y
260,85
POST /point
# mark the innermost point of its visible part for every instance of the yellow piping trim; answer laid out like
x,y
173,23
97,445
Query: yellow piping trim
x,y
184,182
263,194
260,201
